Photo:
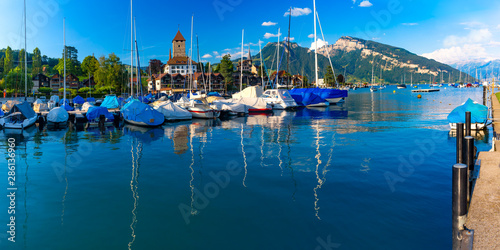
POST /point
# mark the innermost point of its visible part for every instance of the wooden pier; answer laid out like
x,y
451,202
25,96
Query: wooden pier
x,y
484,211
424,90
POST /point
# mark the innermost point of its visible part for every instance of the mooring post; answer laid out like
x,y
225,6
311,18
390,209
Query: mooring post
x,y
467,123
460,143
459,202
469,152
484,95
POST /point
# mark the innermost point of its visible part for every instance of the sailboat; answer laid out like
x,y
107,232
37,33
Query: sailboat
x,y
58,117
135,112
21,116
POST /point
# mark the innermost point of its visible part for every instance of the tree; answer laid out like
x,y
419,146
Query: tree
x,y
90,65
155,66
264,73
8,61
340,79
72,64
45,90
70,67
329,77
111,73
1,66
226,68
37,62
306,81
15,80
21,60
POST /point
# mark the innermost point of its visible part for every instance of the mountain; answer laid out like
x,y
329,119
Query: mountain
x,y
354,56
485,68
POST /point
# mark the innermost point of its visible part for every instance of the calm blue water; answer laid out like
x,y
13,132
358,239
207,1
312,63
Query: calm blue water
x,y
373,174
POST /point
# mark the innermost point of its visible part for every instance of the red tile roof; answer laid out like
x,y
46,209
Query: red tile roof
x,y
179,37
180,60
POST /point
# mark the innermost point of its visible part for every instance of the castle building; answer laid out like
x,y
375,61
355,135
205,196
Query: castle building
x,y
247,64
180,62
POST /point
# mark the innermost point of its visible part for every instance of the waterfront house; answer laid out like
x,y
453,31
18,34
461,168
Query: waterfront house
x,y
56,82
40,81
88,83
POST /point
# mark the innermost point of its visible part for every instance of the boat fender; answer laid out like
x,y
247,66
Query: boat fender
x,y
394,91
419,96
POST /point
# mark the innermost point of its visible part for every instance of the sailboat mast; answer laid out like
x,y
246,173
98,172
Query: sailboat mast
x,y
278,59
288,42
241,63
136,68
131,51
191,59
25,58
315,45
64,59
261,66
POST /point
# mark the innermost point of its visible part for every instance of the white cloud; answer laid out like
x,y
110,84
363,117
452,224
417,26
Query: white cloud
x,y
473,24
458,54
269,23
365,3
409,24
474,36
320,42
269,35
299,11
311,36
207,56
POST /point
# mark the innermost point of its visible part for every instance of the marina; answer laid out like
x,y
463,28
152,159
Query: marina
x,y
227,179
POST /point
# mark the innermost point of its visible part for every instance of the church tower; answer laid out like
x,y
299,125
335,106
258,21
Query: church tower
x,y
179,45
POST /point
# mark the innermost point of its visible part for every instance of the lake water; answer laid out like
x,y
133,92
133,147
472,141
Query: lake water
x,y
374,173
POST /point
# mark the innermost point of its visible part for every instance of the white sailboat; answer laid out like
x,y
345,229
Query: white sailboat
x,y
21,116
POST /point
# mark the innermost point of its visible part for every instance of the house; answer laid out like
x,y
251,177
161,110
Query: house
x,y
72,82
215,82
56,82
180,63
88,82
247,64
40,81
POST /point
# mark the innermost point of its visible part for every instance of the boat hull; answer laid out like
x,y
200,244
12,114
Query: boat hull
x,y
335,100
203,113
474,126
321,104
18,125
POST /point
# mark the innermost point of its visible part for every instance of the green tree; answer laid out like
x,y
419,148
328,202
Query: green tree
x,y
15,80
37,62
45,90
306,81
340,79
21,60
264,73
329,77
226,68
111,73
8,61
72,64
1,66
90,65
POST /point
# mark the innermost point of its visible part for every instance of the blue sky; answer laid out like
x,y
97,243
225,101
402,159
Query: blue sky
x,y
449,31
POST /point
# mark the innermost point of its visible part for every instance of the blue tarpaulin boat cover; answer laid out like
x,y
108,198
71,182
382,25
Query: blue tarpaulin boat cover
x,y
1,113
96,112
306,96
139,112
90,99
110,102
479,113
214,94
61,101
330,93
24,108
67,107
78,100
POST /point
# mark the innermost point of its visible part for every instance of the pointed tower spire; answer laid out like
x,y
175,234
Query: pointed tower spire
x,y
249,54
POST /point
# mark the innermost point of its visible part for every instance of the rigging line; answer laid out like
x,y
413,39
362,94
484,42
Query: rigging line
x,y
327,51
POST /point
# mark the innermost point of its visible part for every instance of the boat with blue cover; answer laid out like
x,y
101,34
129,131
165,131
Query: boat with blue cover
x,y
308,97
99,116
138,113
479,115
